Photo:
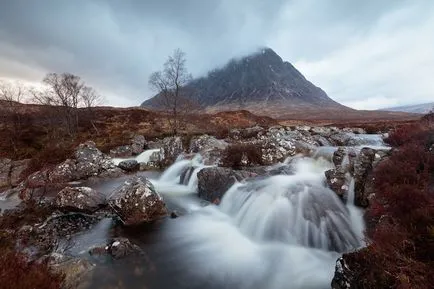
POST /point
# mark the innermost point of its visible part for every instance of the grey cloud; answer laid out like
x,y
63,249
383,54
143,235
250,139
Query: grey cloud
x,y
115,45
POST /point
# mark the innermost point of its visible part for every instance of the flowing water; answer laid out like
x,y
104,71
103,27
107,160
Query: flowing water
x,y
277,232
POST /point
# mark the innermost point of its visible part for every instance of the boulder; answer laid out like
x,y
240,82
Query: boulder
x,y
121,152
205,143
122,247
363,166
91,161
340,138
5,170
129,165
79,199
64,172
136,202
344,157
337,182
213,182
172,147
138,144
342,278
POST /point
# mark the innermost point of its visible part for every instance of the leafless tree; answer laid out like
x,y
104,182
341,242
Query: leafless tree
x,y
11,94
90,97
170,84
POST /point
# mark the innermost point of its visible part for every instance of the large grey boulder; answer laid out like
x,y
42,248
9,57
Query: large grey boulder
x,y
138,144
136,202
213,182
205,143
172,147
79,199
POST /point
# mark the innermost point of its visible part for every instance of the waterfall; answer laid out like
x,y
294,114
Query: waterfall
x,y
141,158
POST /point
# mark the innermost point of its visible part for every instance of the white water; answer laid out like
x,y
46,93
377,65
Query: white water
x,y
141,158
276,232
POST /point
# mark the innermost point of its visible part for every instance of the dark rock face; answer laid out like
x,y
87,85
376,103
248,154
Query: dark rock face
x,y
136,202
79,199
363,166
342,278
262,79
337,181
129,165
215,181
122,247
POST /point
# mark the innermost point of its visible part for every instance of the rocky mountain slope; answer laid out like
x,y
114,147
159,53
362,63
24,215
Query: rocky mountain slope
x,y
261,83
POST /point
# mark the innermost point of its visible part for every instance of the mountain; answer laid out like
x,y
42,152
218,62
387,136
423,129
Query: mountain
x,y
262,83
423,108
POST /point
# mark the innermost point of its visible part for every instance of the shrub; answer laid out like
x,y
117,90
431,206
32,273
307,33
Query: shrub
x,y
401,250
239,155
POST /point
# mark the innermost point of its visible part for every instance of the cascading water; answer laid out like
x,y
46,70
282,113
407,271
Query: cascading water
x,y
284,231
141,158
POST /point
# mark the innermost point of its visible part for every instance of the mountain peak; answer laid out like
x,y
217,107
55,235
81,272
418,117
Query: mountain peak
x,y
260,82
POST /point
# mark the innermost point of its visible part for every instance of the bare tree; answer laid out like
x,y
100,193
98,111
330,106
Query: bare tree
x,y
170,84
90,97
11,93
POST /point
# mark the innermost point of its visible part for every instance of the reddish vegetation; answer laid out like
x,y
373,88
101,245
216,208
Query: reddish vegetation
x,y
233,155
17,273
401,250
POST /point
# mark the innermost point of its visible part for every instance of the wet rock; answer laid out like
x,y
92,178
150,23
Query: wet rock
x,y
129,165
344,157
77,272
79,199
363,166
281,170
138,144
121,152
64,172
342,278
172,147
322,141
205,143
340,138
174,215
5,169
337,182
122,247
213,182
136,202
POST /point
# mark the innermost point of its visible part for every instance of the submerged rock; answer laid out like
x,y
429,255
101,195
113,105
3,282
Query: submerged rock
x,y
213,182
129,165
136,202
343,277
79,199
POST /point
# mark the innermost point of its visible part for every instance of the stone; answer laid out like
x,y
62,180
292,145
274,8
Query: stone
x,y
172,148
337,182
340,138
213,182
136,202
342,278
205,143
363,166
5,170
129,165
138,144
344,157
122,247
121,152
79,199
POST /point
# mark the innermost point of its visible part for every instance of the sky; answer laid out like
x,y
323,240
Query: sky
x,y
365,54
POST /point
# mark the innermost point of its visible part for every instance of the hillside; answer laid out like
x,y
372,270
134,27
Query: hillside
x,y
417,108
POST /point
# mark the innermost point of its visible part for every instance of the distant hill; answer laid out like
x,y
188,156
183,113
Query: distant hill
x,y
261,83
418,108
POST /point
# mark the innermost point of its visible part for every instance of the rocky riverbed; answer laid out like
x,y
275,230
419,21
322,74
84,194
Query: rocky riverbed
x,y
171,207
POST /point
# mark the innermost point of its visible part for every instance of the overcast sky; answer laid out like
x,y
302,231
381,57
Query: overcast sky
x,y
365,54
